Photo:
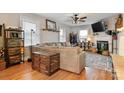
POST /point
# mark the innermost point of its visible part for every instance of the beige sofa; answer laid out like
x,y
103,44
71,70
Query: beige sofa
x,y
71,58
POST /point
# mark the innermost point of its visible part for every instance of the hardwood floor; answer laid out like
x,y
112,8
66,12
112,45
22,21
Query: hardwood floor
x,y
118,62
25,72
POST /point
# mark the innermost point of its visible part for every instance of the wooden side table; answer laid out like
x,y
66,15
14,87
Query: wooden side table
x,y
2,65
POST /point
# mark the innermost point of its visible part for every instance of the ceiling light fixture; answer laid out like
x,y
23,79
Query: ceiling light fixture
x,y
76,19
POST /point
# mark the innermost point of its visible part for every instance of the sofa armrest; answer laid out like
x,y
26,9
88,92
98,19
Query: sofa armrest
x,y
81,60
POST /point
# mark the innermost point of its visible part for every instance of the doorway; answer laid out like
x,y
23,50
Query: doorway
x,y
31,37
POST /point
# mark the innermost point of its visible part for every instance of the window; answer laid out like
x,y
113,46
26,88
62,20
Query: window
x,y
83,34
62,35
32,36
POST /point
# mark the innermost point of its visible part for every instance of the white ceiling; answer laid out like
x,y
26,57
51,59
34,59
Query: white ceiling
x,y
65,18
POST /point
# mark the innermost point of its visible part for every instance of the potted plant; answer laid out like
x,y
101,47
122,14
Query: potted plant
x,y
114,34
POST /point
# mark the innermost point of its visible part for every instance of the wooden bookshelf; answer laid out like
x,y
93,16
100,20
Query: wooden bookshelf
x,y
2,65
14,44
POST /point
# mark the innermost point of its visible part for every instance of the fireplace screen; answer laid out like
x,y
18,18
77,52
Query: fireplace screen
x,y
102,45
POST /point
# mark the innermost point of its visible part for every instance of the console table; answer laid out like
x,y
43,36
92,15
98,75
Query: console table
x,y
46,62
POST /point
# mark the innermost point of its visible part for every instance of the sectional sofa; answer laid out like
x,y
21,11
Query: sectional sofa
x,y
71,58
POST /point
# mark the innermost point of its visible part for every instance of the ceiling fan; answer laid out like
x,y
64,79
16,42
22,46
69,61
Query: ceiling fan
x,y
77,19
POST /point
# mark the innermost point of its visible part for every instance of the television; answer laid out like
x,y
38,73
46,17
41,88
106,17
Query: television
x,y
98,27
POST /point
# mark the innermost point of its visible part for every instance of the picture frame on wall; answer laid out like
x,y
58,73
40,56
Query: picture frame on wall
x,y
0,30
50,25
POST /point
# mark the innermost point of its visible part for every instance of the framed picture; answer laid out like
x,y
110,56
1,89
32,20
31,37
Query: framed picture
x,y
50,25
0,30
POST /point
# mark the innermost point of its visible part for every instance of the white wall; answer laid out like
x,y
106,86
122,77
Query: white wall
x,y
49,36
121,44
52,36
111,22
121,41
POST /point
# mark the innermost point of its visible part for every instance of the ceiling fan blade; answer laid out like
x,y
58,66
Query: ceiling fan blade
x,y
77,19
68,20
72,17
83,17
82,20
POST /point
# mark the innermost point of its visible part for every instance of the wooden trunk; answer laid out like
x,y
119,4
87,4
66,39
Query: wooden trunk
x,y
46,62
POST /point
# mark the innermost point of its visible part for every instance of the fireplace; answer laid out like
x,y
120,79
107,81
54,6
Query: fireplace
x,y
102,46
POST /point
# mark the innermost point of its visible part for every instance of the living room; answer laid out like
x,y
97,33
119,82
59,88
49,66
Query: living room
x,y
73,53
91,63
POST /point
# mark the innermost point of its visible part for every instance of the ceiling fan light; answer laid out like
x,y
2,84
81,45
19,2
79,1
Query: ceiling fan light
x,y
76,22
73,22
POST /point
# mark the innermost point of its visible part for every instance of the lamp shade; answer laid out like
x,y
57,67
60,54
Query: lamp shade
x,y
88,39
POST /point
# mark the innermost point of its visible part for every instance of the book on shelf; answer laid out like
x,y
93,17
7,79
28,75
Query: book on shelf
x,y
14,61
17,57
14,51
14,57
13,34
15,42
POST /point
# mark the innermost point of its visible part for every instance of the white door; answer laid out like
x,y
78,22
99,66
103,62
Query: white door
x,y
31,37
